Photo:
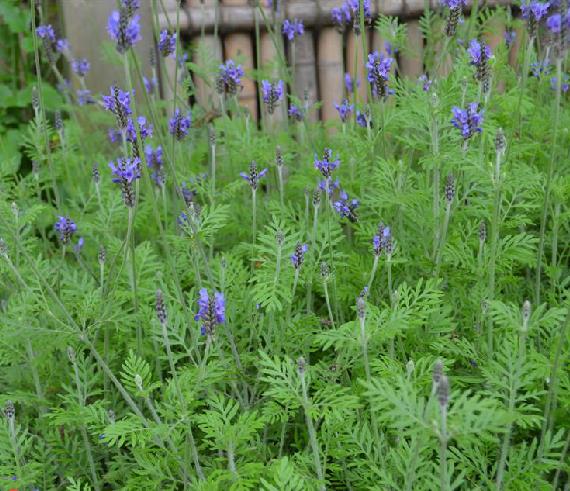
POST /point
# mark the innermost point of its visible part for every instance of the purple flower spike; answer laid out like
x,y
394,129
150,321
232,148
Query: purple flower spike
x,y
454,4
554,23
229,78
46,32
468,120
354,8
179,125
298,256
478,52
564,86
382,241
84,97
295,113
145,129
341,16
80,66
155,163
77,247
119,103
167,43
344,110
272,93
349,83
150,85
211,311
126,171
326,166
292,29
426,82
510,37
124,28
65,227
534,10
378,67
346,207
254,175
362,119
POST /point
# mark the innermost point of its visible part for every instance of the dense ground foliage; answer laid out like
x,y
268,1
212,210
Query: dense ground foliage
x,y
380,302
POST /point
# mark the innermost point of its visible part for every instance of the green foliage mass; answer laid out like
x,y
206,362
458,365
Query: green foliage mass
x,y
437,362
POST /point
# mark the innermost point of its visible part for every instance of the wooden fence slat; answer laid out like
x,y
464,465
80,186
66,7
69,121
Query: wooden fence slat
x,y
331,71
239,46
210,47
269,57
411,61
305,70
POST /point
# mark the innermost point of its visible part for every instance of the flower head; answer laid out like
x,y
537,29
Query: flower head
x,y
344,110
426,82
229,78
179,125
341,16
46,32
510,37
346,207
84,97
211,311
362,119
155,163
145,129
326,165
354,9
534,10
295,113
349,83
468,120
298,256
563,86
378,67
65,227
119,103
150,85
478,52
80,66
293,28
540,68
272,93
382,241
124,28
167,43
125,171
253,176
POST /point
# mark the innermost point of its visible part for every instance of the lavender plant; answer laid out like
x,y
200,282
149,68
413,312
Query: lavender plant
x,y
204,334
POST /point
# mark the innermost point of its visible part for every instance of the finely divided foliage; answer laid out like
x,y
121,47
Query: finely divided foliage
x,y
380,302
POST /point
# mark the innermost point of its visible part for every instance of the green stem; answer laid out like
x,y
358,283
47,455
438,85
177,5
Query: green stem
x,y
312,433
549,179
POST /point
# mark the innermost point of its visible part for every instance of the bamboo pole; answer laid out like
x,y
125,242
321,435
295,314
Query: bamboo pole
x,y
411,61
331,71
305,71
270,63
238,46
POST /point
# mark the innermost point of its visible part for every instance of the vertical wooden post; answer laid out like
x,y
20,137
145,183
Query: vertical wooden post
x,y
271,58
238,46
305,70
85,29
331,71
411,62
207,55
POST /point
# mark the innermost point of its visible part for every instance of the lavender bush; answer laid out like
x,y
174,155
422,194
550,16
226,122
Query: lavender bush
x,y
382,304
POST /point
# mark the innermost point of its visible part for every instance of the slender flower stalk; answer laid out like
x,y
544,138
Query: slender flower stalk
x,y
162,315
253,177
514,385
442,392
449,197
306,402
500,150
